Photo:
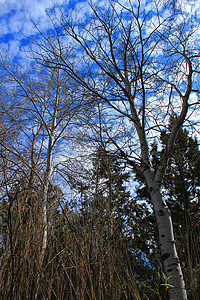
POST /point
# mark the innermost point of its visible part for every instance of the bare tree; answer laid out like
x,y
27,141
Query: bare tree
x,y
47,107
143,64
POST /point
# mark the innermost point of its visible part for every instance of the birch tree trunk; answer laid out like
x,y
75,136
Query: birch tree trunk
x,y
44,220
47,175
169,256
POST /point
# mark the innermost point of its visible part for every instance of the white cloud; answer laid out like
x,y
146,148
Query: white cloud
x,y
4,27
16,14
13,48
15,20
190,6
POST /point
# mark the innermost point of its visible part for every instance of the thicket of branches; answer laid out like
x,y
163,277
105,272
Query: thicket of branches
x,y
99,160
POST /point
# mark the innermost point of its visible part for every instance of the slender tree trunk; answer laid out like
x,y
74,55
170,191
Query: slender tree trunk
x,y
44,221
169,256
44,197
47,175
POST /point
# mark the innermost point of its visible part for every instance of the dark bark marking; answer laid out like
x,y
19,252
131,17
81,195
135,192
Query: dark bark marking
x,y
165,256
162,235
161,212
152,190
170,270
158,182
174,264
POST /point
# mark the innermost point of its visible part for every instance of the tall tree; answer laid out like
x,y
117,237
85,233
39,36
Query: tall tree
x,y
109,217
51,108
181,189
141,61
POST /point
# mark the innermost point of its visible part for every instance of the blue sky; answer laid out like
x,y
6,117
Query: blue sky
x,y
15,21
16,25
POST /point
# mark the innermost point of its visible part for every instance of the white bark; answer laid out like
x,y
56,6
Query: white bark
x,y
169,256
47,175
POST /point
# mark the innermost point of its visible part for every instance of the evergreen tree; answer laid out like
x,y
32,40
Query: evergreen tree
x,y
182,183
121,223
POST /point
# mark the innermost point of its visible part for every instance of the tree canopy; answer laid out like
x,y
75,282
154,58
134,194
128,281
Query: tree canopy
x,y
99,163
